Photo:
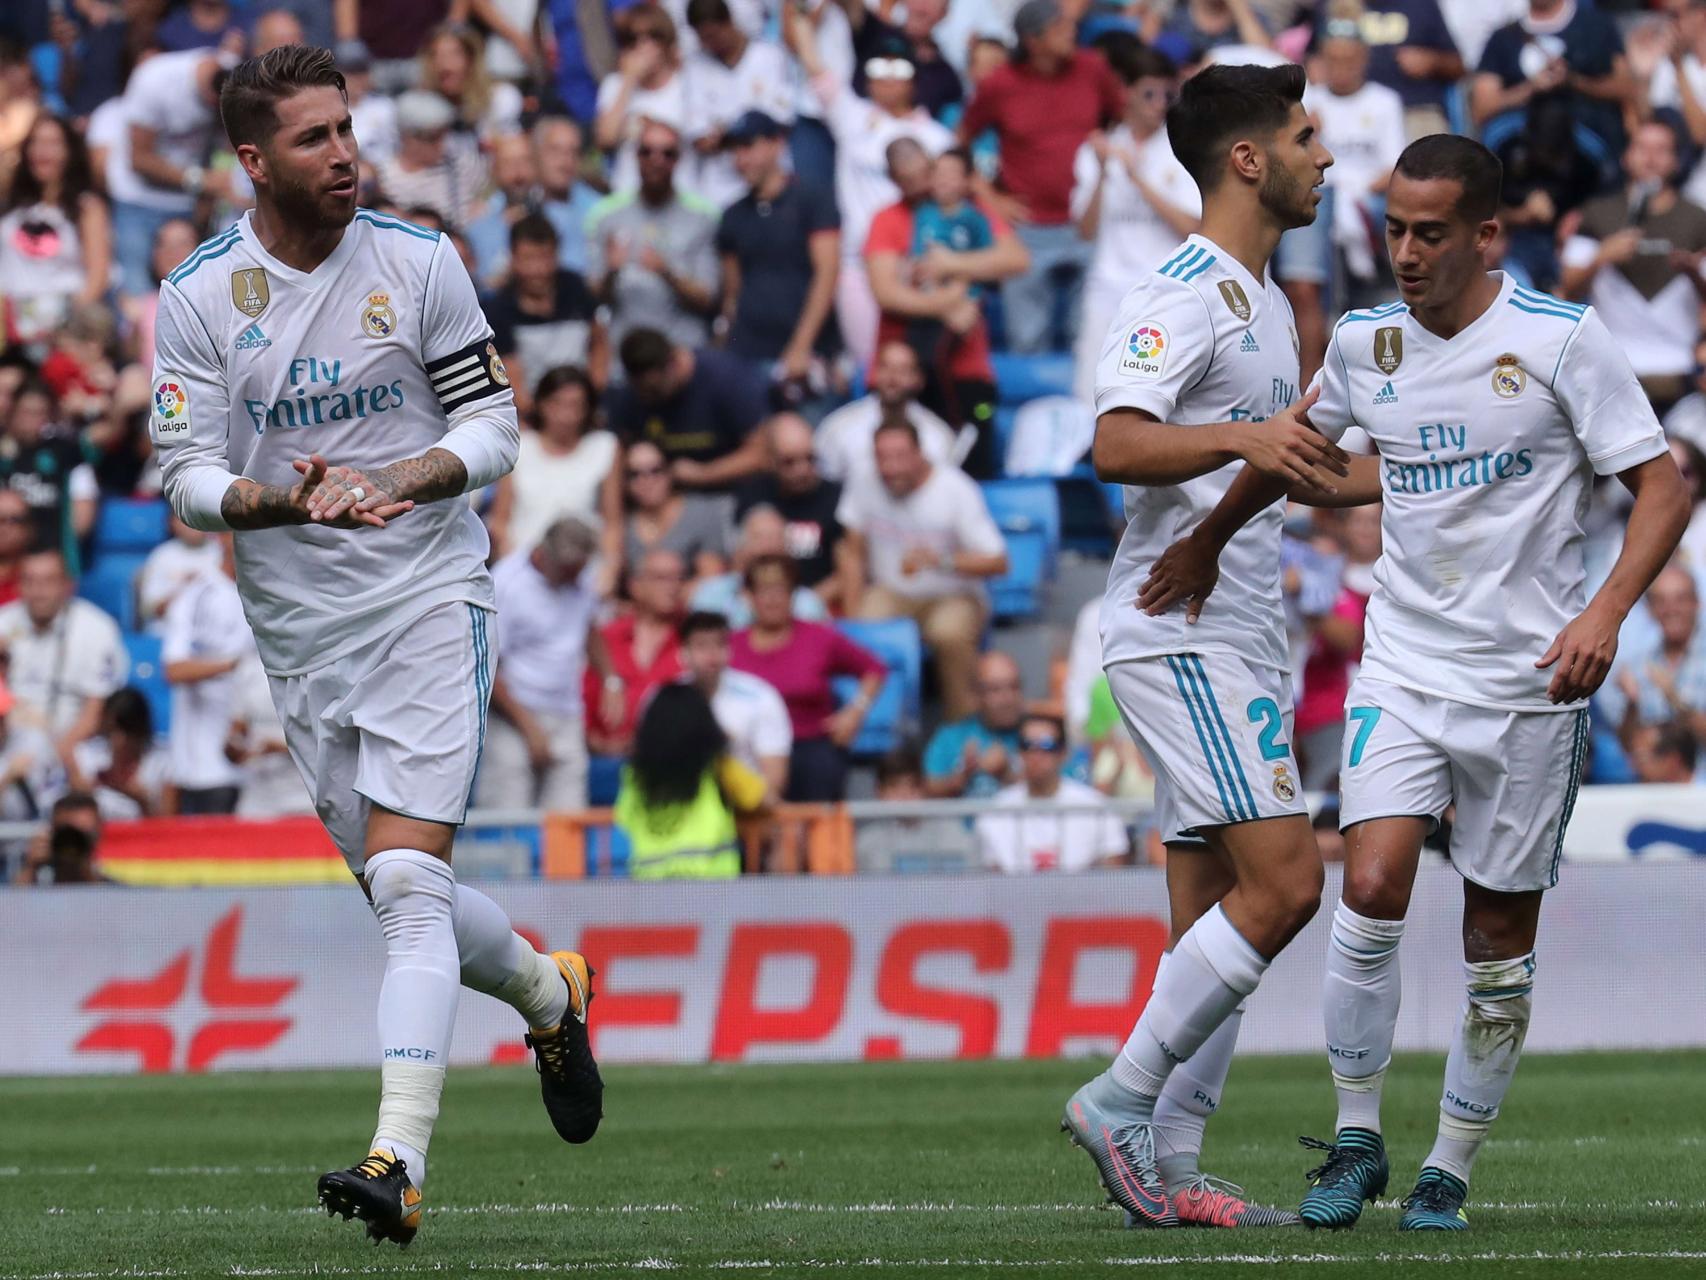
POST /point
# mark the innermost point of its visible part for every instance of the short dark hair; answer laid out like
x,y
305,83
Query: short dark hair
x,y
1148,63
901,425
699,621
645,351
700,12
249,98
785,564
904,761
1463,161
962,154
1672,738
1221,105
533,228
568,375
128,711
73,802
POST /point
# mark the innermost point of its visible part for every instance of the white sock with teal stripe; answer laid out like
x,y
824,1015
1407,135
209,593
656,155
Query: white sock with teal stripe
x,y
1208,975
1359,1004
1483,1059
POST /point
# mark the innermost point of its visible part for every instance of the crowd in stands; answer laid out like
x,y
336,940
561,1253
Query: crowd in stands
x,y
792,295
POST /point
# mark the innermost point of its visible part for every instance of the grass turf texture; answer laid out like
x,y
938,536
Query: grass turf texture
x,y
1597,1168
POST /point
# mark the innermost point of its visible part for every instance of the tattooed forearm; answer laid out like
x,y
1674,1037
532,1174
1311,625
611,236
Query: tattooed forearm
x,y
248,505
435,475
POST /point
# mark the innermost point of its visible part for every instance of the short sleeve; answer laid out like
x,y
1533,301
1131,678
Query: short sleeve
x,y
1428,28
1331,414
850,511
178,642
974,528
189,421
1086,173
1608,411
851,659
1499,57
891,231
1160,344
773,733
743,788
1579,251
821,212
943,752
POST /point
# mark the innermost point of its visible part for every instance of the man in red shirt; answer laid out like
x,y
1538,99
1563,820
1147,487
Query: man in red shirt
x,y
928,299
1042,106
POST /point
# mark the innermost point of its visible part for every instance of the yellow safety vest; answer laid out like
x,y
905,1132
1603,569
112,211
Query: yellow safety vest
x,y
692,841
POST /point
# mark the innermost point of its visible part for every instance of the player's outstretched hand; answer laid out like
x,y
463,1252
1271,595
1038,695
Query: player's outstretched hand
x,y
1582,654
343,497
1288,448
1186,571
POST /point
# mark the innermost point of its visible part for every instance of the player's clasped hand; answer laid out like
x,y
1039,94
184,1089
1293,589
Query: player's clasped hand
x,y
343,497
1289,449
1582,654
1188,571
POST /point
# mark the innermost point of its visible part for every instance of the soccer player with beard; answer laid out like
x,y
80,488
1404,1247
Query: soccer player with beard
x,y
1199,371
1493,408
314,330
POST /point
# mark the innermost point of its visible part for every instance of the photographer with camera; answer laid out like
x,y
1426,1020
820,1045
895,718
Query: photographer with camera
x,y
65,852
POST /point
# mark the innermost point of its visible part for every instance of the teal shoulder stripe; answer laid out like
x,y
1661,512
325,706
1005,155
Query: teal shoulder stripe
x,y
1546,299
210,248
1374,313
395,224
1177,666
1571,316
1197,270
1174,261
1185,264
1231,746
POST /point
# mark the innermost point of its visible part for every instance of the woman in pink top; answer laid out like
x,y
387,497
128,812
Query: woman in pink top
x,y
800,659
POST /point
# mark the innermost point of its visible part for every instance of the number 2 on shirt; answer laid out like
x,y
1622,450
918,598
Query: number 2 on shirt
x,y
1266,712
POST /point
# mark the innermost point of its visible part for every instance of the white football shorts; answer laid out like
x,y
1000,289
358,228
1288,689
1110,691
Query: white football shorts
x,y
1513,776
399,724
1217,732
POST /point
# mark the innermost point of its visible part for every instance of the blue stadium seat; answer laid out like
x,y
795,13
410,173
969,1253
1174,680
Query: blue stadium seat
x,y
897,710
111,584
1022,378
1005,416
130,524
603,780
148,674
1028,515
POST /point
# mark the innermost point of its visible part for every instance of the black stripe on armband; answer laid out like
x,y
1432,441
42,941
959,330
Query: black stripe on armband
x,y
471,374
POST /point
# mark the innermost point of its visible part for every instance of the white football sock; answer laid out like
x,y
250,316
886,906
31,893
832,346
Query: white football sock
x,y
1483,1059
413,894
1359,1003
1210,972
1191,1095
499,962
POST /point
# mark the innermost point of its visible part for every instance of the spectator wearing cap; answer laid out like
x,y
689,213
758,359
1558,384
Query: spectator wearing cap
x,y
701,409
535,754
863,130
1042,106
545,316
803,501
748,708
394,31
562,466
373,115
845,439
427,171
1636,255
1131,199
1046,822
651,250
936,85
1410,51
922,542
515,194
763,535
927,289
780,246
170,122
647,85
563,197
729,75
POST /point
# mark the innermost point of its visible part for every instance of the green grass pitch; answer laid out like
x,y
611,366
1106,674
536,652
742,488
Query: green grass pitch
x,y
1597,1168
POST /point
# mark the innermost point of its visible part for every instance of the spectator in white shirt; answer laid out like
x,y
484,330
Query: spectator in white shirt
x,y
536,741
1060,825
206,638
427,172
647,85
31,774
171,567
65,655
921,542
1132,198
121,766
1363,124
272,785
729,75
747,707
844,441
561,467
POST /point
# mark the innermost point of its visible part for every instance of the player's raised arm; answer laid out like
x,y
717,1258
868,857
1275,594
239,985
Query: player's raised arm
x,y
1614,421
473,388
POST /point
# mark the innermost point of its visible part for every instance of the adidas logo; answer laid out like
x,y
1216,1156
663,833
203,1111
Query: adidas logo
x,y
252,339
1249,343
1386,395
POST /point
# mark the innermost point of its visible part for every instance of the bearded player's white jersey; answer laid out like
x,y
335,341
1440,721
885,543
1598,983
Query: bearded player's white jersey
x,y
378,354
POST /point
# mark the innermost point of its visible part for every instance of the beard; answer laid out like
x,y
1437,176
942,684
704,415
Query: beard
x,y
1285,198
301,206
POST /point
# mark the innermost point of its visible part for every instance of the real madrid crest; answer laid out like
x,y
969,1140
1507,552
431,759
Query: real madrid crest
x,y
1233,296
250,292
1388,349
1284,788
377,318
1508,377
495,366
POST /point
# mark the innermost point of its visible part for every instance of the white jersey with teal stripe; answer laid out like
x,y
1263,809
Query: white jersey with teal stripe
x,y
378,354
1489,443
1199,341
